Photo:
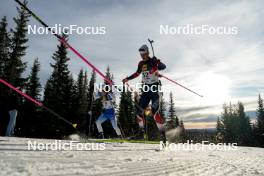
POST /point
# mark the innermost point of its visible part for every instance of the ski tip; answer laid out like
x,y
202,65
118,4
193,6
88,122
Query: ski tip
x,y
74,125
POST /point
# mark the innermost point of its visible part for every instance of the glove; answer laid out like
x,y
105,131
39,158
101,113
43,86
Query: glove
x,y
153,70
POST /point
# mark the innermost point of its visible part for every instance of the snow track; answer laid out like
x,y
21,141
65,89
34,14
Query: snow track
x,y
126,159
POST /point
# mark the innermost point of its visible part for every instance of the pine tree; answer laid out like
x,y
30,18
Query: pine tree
x,y
244,127
173,120
4,46
28,125
108,75
228,122
108,130
59,94
162,110
81,104
234,125
91,90
4,57
126,115
219,130
15,65
260,122
94,107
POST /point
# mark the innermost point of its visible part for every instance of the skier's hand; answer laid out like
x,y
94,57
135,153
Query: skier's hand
x,y
153,70
125,80
157,73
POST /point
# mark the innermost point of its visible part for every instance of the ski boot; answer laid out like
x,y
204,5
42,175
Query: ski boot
x,y
163,137
101,135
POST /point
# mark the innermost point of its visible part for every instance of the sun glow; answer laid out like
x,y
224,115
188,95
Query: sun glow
x,y
214,87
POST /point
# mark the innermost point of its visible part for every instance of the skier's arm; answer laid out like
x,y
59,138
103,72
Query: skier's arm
x,y
161,66
136,74
113,97
158,65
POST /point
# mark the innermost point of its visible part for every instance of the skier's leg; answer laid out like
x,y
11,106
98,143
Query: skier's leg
x,y
156,115
155,111
143,103
114,125
12,123
102,118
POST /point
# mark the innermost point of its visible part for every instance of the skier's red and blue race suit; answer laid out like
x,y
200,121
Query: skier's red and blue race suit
x,y
148,69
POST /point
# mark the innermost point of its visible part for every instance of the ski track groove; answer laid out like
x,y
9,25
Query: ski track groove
x,y
127,159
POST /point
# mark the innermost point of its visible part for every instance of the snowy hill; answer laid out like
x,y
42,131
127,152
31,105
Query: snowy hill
x,y
126,159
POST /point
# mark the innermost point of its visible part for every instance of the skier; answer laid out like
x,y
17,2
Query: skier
x,y
150,89
108,99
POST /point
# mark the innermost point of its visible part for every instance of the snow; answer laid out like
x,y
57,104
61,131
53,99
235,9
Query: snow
x,y
125,159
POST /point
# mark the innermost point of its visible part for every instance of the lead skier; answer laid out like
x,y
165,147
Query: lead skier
x,y
149,68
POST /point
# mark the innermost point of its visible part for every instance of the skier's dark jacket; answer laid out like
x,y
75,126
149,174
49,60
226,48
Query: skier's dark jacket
x,y
151,65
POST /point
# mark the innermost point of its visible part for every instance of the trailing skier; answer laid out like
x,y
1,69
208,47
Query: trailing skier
x,y
149,68
108,100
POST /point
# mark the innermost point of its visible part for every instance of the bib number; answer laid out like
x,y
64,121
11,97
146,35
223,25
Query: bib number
x,y
148,78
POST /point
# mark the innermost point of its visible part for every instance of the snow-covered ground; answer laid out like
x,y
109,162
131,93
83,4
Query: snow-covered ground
x,y
126,159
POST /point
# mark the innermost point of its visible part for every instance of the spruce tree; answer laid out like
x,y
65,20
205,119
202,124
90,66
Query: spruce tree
x,y
15,66
126,115
234,125
81,102
219,130
260,122
29,123
4,57
93,106
228,123
172,122
4,46
162,110
91,89
59,94
244,132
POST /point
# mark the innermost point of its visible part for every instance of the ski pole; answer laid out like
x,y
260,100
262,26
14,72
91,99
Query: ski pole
x,y
180,85
37,103
152,41
91,114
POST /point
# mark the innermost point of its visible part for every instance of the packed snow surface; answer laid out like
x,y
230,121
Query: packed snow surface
x,y
125,159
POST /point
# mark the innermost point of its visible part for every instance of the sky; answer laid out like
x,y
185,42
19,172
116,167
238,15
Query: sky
x,y
224,68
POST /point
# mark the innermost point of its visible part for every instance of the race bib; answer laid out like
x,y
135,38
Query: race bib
x,y
107,104
148,78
